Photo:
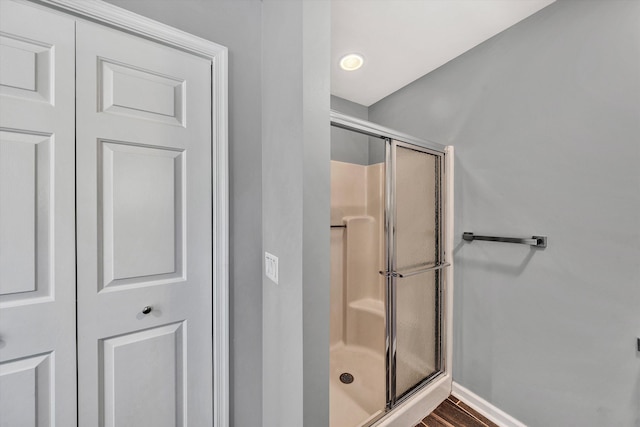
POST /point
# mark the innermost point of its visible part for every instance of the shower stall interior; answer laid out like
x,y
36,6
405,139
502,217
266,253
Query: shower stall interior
x,y
389,271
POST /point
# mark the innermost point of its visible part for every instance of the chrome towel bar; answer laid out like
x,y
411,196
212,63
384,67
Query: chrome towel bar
x,y
414,272
537,241
423,270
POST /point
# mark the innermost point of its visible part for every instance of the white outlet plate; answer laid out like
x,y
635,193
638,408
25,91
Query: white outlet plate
x,y
271,266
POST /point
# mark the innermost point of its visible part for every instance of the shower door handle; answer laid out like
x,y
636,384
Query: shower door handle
x,y
423,270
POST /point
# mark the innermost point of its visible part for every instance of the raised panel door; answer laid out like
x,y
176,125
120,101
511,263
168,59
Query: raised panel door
x,y
37,218
144,232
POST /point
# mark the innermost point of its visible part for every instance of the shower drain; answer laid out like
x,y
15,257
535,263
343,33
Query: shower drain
x,y
346,378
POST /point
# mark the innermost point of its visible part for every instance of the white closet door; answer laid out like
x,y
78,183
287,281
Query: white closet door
x,y
37,230
144,232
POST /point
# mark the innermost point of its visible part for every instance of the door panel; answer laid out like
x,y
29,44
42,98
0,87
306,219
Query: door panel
x,y
37,218
18,164
28,381
145,248
144,237
146,367
27,69
136,92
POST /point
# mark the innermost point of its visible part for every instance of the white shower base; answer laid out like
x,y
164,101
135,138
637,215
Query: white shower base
x,y
354,404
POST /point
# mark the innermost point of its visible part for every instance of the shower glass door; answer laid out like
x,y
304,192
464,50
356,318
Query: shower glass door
x,y
388,284
416,258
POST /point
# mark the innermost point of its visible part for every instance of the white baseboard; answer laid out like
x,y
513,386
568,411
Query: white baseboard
x,y
493,413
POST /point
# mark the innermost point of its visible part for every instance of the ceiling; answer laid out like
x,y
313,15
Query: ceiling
x,y
402,40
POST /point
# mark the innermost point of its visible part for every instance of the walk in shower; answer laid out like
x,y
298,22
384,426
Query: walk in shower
x,y
388,270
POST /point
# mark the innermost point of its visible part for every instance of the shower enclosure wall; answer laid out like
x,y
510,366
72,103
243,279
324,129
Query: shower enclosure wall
x,y
357,291
390,275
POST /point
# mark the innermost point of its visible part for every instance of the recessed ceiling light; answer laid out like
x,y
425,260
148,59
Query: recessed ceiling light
x,y
351,62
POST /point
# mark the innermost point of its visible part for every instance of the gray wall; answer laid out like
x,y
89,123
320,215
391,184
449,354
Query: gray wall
x,y
348,107
236,25
295,214
347,146
353,147
545,118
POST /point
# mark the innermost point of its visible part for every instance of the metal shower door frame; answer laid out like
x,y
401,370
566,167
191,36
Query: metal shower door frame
x,y
392,274
394,139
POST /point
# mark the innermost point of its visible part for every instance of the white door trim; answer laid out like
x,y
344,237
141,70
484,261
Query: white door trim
x,y
116,17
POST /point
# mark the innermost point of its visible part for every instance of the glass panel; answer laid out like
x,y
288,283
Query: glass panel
x,y
416,247
416,209
416,330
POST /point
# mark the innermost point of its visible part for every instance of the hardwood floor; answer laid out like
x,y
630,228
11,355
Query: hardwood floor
x,y
455,413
